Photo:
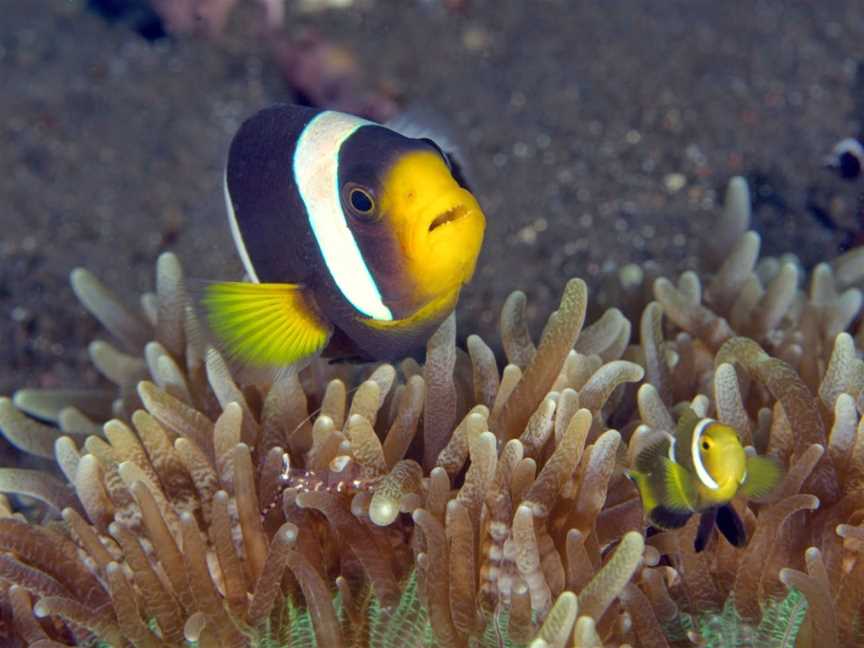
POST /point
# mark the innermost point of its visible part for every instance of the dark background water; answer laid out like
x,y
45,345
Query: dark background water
x,y
599,134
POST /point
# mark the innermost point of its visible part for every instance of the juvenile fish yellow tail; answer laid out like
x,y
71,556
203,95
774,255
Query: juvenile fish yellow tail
x,y
649,500
658,514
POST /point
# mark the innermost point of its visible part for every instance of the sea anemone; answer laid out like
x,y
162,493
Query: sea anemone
x,y
448,503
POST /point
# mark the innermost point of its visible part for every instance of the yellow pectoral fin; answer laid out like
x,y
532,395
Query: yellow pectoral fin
x,y
676,486
763,476
265,324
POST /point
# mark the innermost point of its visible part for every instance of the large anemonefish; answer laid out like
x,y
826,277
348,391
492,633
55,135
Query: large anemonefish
x,y
700,469
356,239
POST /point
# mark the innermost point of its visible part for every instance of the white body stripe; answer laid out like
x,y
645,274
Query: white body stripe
x,y
235,234
316,171
703,475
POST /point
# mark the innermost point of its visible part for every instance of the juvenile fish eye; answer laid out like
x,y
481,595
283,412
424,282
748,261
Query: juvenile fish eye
x,y
676,480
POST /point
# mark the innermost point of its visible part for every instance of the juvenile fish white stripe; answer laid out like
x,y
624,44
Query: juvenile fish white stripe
x,y
235,233
316,171
703,475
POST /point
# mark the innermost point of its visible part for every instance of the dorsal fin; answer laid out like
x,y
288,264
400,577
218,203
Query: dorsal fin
x,y
684,437
648,460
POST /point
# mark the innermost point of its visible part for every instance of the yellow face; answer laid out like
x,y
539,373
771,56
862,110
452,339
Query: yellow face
x,y
725,460
437,223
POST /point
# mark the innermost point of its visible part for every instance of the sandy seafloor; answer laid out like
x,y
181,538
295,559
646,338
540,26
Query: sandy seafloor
x,y
598,133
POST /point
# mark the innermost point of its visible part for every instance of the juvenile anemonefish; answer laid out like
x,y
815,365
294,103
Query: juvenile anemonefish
x,y
356,238
700,469
847,158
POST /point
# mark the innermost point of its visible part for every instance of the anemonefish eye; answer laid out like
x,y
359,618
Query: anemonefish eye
x,y
706,445
360,201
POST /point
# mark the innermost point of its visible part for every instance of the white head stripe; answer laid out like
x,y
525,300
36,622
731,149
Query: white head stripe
x,y
703,475
235,234
316,171
849,145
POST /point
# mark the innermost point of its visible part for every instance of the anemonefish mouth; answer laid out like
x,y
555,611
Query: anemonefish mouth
x,y
452,214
